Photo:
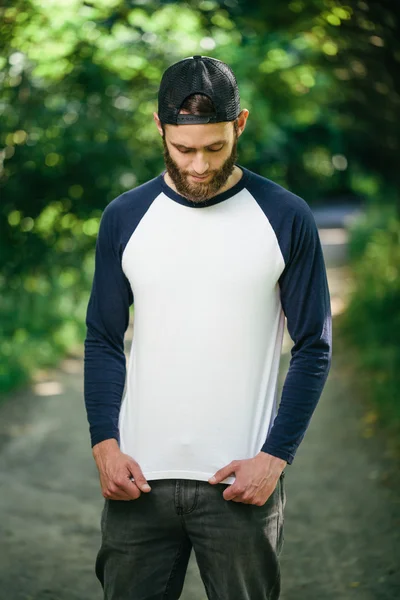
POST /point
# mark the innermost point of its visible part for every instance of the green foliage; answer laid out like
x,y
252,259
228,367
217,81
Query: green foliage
x,y
38,327
79,85
42,315
374,222
372,320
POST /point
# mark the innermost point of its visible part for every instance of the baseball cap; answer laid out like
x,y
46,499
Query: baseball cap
x,y
198,75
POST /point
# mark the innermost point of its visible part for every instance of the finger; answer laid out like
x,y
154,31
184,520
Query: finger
x,y
223,473
136,476
116,495
120,486
127,487
230,493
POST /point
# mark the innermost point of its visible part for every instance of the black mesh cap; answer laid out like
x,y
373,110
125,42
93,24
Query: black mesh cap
x,y
198,75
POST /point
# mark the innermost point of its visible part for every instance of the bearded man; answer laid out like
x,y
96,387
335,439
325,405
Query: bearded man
x,y
213,257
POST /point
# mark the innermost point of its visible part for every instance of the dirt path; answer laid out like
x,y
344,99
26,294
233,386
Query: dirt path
x,y
342,520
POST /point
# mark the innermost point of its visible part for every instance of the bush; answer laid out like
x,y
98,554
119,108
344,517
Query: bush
x,y
377,217
41,318
372,320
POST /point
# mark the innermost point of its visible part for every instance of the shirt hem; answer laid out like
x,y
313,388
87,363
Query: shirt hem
x,y
196,475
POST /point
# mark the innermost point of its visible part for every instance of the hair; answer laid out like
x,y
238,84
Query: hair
x,y
202,105
198,104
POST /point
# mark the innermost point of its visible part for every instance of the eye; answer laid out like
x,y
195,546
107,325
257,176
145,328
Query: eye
x,y
215,149
183,151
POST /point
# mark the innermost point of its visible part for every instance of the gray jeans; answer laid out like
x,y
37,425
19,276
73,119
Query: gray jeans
x,y
146,543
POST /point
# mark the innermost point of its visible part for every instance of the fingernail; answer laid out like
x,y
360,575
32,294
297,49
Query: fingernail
x,y
146,487
212,480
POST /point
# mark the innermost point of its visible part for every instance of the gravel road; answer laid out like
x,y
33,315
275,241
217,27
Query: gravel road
x,y
342,519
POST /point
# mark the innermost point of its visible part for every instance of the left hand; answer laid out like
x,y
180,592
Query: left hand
x,y
256,478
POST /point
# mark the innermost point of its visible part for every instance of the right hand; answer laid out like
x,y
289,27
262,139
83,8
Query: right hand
x,y
115,470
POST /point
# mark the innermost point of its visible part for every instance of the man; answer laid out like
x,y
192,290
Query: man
x,y
213,256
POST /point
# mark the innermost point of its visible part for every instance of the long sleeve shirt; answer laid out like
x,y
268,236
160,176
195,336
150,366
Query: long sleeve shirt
x,y
211,283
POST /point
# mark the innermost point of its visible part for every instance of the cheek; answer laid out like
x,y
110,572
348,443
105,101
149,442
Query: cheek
x,y
181,160
222,157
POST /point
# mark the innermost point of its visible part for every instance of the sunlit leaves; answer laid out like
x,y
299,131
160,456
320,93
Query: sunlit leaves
x,y
300,79
319,162
20,136
329,48
307,114
47,219
277,59
342,12
221,19
52,159
14,218
332,19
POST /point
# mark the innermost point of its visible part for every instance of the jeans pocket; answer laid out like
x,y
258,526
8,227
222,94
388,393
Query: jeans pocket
x,y
281,510
104,515
282,490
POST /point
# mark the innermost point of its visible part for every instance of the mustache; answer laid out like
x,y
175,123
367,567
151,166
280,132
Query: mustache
x,y
203,175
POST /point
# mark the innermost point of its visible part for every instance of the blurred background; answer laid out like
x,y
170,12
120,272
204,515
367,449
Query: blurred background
x,y
78,86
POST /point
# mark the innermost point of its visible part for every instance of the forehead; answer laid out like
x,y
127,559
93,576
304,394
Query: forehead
x,y
197,136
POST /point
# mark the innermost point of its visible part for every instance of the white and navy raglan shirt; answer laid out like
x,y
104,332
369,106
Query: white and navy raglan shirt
x,y
211,284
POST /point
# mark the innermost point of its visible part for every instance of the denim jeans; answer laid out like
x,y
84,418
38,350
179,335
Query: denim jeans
x,y
146,543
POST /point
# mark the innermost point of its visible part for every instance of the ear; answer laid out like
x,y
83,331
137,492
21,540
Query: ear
x,y
158,123
242,118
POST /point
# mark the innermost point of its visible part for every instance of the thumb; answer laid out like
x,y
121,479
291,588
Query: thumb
x,y
138,478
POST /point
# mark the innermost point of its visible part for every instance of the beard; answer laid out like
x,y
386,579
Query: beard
x,y
199,191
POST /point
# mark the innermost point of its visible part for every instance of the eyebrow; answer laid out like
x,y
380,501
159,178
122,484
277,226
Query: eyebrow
x,y
218,142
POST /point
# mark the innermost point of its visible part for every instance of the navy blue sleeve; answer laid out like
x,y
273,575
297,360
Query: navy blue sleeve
x,y
107,319
306,304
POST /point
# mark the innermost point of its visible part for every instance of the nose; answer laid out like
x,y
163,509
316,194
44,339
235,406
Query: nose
x,y
199,164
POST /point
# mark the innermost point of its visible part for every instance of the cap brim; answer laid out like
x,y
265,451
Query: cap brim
x,y
183,119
